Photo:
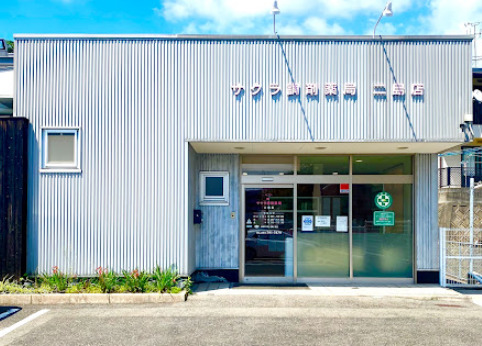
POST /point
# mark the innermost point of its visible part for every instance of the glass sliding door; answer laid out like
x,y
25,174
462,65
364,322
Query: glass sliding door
x,y
353,216
382,230
268,232
323,247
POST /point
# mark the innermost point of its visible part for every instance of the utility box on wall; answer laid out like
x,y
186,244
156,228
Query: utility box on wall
x,y
13,196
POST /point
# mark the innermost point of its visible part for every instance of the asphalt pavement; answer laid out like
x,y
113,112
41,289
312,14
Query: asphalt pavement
x,y
260,317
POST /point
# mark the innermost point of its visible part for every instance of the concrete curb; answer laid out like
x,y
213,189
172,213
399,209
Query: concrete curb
x,y
92,298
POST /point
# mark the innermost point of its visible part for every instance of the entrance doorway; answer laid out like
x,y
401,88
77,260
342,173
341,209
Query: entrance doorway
x,y
268,233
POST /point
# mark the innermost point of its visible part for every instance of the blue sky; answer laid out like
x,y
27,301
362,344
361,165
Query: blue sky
x,y
310,17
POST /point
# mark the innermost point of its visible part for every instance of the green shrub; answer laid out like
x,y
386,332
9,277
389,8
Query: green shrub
x,y
164,281
107,280
135,281
43,288
58,281
9,286
187,285
93,288
167,281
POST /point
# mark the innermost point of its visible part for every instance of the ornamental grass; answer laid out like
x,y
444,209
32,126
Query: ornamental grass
x,y
105,281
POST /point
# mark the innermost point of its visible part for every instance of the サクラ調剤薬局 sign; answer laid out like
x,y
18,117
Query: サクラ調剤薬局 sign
x,y
329,89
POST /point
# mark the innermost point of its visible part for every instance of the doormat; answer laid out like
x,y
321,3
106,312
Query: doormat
x,y
271,287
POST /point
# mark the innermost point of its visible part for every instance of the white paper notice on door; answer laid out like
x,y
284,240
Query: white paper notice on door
x,y
342,223
322,220
307,223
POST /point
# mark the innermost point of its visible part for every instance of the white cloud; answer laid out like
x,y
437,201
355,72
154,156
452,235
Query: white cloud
x,y
318,26
449,16
384,28
320,17
254,16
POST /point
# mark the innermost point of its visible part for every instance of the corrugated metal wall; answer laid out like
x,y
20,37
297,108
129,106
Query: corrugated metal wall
x,y
443,67
137,102
127,208
426,212
217,238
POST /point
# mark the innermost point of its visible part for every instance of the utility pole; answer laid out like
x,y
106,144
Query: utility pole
x,y
471,225
472,30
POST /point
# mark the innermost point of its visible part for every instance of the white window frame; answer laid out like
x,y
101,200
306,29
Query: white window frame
x,y
213,200
60,167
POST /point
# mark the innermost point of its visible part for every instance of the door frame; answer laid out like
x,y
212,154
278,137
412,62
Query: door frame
x,y
242,247
292,181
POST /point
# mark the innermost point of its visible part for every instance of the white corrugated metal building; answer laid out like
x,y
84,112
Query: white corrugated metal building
x,y
305,158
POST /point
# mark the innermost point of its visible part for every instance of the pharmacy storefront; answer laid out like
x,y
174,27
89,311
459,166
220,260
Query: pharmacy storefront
x,y
257,158
331,217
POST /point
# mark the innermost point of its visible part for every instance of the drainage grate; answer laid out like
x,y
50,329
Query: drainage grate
x,y
6,311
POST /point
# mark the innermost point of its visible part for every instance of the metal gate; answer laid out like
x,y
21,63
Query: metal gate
x,y
461,257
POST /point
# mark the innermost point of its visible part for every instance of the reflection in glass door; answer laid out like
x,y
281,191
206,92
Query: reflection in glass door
x,y
382,234
268,232
323,243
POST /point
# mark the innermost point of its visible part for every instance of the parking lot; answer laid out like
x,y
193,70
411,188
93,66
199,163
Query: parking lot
x,y
290,318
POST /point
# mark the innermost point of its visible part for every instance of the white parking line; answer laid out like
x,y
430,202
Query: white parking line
x,y
476,299
7,330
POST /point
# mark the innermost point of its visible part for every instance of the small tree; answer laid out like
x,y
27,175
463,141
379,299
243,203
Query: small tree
x,y
10,46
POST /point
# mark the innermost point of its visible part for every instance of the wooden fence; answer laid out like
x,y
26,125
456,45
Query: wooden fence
x,y
13,196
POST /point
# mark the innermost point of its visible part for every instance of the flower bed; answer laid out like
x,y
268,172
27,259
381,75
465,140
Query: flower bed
x,y
157,281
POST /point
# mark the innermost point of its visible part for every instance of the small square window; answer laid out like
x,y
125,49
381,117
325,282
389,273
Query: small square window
x,y
60,150
214,188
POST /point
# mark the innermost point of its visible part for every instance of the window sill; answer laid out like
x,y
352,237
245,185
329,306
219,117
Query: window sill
x,y
214,203
61,170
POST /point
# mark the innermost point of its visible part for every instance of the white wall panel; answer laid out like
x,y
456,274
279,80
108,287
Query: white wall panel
x,y
426,212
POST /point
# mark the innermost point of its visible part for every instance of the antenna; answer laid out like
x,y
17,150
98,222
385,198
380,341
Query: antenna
x,y
471,28
275,10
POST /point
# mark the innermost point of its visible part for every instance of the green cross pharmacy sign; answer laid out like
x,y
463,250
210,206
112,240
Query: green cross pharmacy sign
x,y
383,200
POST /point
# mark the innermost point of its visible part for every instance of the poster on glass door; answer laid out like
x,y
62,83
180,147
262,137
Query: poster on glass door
x,y
307,223
342,223
323,221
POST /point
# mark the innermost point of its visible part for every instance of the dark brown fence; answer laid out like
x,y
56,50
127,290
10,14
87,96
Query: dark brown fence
x,y
13,196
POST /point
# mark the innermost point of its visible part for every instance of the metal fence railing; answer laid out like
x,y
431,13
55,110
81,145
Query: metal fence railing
x,y
458,176
450,177
461,257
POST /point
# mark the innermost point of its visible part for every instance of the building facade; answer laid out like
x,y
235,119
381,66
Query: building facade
x,y
459,165
279,159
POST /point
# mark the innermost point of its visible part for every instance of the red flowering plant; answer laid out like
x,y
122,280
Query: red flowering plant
x,y
135,281
107,279
58,281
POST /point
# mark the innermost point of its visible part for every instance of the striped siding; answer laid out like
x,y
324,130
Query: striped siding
x,y
128,207
137,102
221,117
426,212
